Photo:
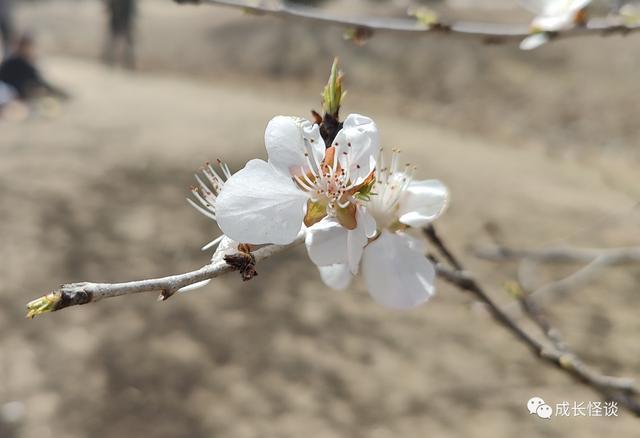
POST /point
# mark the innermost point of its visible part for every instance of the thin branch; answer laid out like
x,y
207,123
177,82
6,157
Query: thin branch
x,y
614,256
622,390
535,314
592,259
579,278
488,32
74,294
614,388
431,234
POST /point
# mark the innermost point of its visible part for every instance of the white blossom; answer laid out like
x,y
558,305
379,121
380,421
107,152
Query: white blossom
x,y
551,16
394,267
355,209
302,182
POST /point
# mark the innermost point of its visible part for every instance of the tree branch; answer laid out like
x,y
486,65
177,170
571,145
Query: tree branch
x,y
614,256
74,294
592,259
622,390
365,26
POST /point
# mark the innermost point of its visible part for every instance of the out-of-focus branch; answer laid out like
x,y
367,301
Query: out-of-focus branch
x,y
364,27
614,256
622,390
533,311
592,259
74,294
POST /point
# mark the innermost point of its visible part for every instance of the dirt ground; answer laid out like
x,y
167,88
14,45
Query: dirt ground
x,y
544,145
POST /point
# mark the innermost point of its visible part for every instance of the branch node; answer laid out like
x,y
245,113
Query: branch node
x,y
166,294
243,261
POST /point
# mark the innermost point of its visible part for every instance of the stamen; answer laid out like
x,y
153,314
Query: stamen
x,y
317,168
394,160
207,213
213,171
206,194
214,242
226,170
203,187
307,179
302,183
202,201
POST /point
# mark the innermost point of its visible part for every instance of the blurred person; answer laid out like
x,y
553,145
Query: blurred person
x,y
6,26
121,23
20,73
7,95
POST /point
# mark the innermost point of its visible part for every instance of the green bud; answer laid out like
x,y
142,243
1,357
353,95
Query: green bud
x,y
425,16
332,95
514,289
43,304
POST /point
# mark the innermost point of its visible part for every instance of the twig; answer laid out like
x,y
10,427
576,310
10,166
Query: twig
x,y
74,294
488,32
576,279
593,261
621,390
533,311
614,256
431,234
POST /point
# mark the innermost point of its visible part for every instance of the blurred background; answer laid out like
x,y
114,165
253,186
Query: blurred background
x,y
541,145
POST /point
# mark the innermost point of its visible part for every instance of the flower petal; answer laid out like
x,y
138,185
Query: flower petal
x,y
358,238
194,286
397,275
423,202
287,139
356,145
356,241
226,247
326,242
534,41
553,7
336,276
576,5
562,21
368,222
415,244
259,205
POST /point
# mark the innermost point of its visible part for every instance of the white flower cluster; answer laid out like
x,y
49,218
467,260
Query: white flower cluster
x,y
353,209
551,16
